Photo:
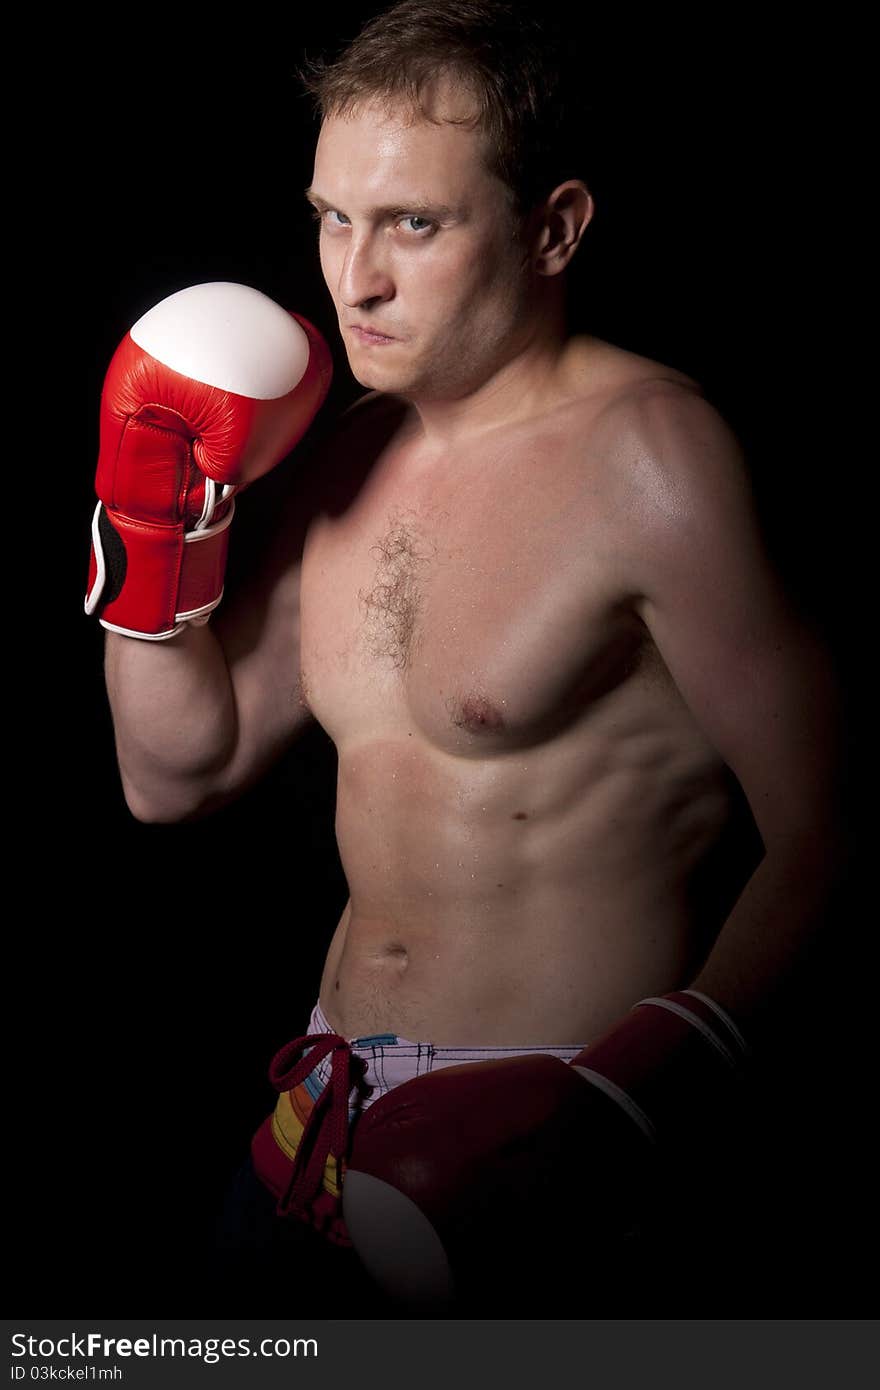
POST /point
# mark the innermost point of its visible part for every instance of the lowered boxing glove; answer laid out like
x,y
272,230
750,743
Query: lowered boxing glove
x,y
208,391
472,1169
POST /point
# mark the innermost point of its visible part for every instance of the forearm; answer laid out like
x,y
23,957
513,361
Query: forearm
x,y
796,891
174,719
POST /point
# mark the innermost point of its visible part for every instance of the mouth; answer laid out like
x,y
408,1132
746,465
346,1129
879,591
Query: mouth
x,y
369,335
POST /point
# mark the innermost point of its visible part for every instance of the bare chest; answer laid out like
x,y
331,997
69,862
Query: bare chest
x,y
479,608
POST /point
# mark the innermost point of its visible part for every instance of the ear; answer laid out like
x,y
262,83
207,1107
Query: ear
x,y
559,224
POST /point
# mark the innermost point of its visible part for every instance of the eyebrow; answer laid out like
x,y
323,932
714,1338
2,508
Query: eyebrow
x,y
416,206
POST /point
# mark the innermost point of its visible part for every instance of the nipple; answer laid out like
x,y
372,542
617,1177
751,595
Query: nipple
x,y
478,713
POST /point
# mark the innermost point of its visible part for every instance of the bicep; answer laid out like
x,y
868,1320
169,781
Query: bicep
x,y
751,667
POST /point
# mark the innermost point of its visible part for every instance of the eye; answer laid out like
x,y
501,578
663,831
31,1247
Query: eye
x,y
329,217
420,226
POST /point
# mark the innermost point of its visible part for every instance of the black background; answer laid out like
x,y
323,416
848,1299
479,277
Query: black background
x,y
154,970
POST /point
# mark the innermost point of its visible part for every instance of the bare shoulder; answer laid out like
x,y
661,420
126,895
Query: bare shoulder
x,y
671,451
375,411
601,374
667,478
688,518
313,482
352,445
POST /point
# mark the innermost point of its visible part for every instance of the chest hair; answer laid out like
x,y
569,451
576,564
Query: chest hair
x,y
392,606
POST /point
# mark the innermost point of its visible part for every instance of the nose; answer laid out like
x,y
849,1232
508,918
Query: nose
x,y
364,279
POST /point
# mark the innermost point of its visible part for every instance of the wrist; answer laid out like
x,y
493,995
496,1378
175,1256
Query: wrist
x,y
148,579
676,1062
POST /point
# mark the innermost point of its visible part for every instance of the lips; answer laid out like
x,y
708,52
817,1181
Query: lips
x,y
370,335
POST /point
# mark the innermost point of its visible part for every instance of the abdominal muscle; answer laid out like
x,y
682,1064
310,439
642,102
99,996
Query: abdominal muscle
x,y
530,898
527,812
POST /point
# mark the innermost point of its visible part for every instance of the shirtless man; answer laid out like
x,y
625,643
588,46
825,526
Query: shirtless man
x,y
523,589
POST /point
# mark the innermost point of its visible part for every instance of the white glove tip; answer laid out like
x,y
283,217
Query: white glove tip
x,y
229,336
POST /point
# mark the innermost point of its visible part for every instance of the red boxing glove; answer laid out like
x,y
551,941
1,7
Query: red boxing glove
x,y
458,1171
208,391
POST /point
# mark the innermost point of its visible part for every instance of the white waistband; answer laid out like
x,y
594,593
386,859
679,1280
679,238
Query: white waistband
x,y
391,1060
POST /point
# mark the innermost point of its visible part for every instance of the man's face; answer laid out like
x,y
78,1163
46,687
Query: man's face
x,y
419,249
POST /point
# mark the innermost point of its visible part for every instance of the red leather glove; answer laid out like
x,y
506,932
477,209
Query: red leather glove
x,y
475,1167
208,391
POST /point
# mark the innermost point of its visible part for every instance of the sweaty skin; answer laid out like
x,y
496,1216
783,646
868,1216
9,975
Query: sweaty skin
x,y
533,829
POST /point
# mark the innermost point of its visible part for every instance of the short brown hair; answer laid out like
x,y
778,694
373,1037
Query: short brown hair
x,y
513,61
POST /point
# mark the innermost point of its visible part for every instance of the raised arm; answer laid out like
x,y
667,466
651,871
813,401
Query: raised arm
x,y
208,392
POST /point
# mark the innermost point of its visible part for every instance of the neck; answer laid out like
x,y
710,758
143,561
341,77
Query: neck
x,y
521,386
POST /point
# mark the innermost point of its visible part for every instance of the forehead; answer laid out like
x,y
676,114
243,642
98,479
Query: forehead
x,y
384,146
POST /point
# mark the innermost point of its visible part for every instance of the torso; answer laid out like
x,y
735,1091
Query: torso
x,y
534,830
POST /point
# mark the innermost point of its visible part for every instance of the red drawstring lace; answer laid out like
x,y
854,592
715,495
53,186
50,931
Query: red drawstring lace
x,y
326,1130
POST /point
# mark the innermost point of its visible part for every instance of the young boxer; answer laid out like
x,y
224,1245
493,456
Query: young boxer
x,y
588,749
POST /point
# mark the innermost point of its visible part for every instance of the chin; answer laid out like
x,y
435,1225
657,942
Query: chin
x,y
425,379
364,375
372,376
